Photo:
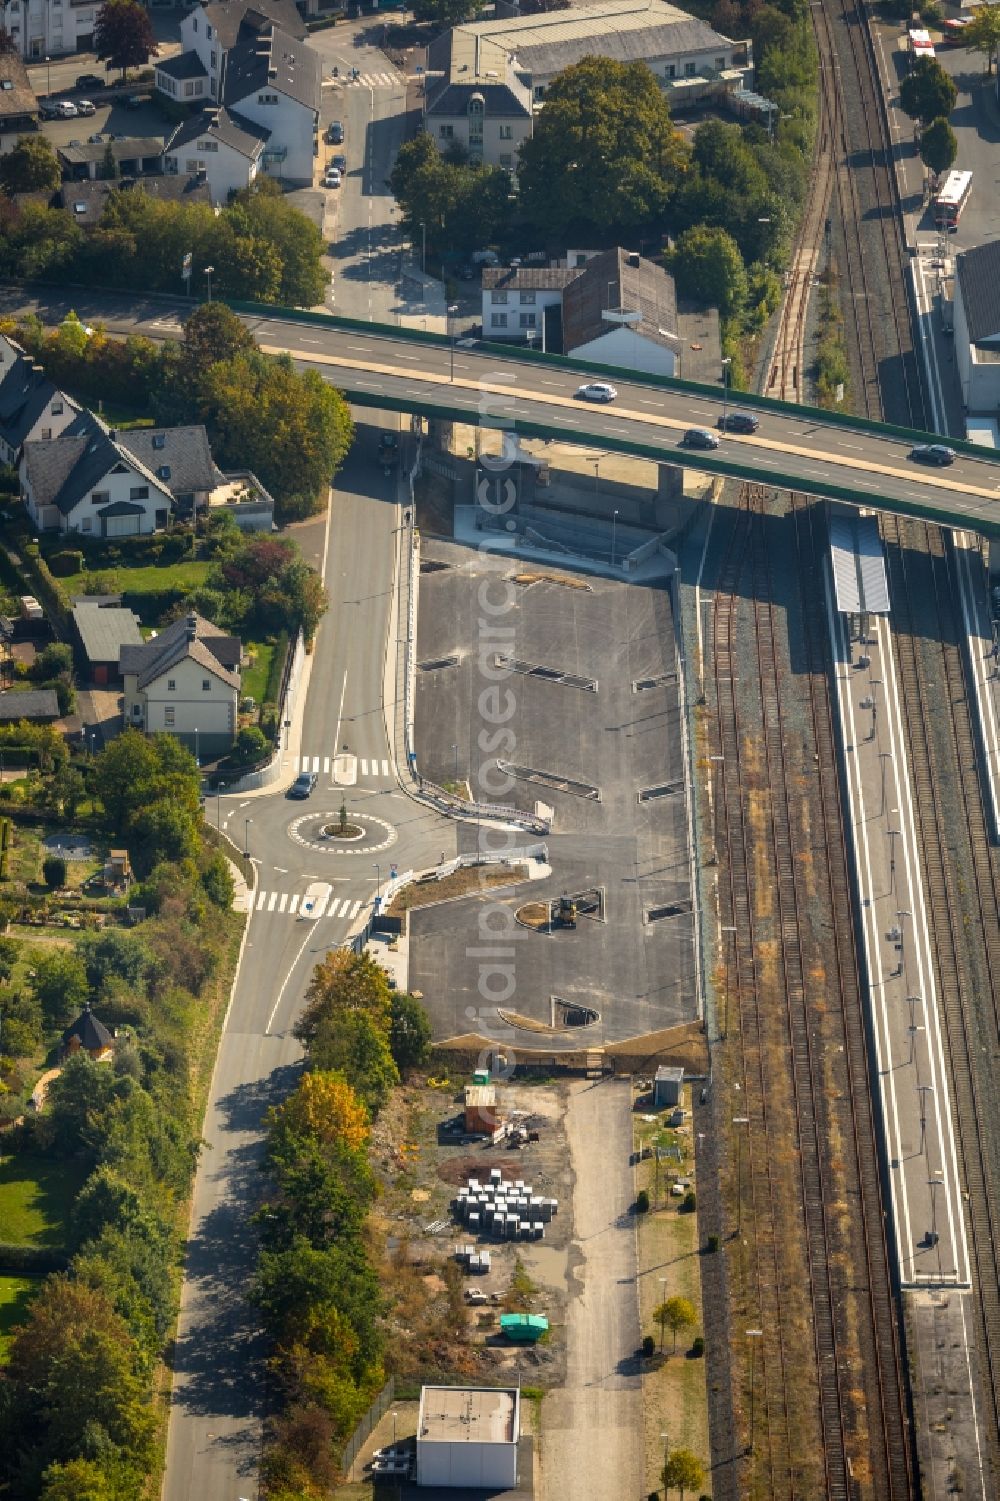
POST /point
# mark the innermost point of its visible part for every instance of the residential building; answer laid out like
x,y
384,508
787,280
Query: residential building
x,y
180,458
134,156
87,200
677,47
31,407
84,481
88,1034
39,705
185,681
977,326
474,98
612,307
18,105
49,28
101,632
223,149
255,60
468,1437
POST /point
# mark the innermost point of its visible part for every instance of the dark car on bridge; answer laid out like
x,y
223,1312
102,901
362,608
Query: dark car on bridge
x,y
739,422
933,453
700,437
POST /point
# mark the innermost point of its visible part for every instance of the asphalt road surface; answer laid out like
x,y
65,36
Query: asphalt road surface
x,y
378,366
214,1437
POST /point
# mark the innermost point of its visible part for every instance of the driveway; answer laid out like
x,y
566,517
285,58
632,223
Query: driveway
x,y
591,1442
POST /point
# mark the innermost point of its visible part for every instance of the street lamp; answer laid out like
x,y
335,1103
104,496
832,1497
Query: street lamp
x,y
727,361
218,804
893,836
923,1090
452,310
378,881
883,756
663,1295
455,749
197,756
423,248
208,278
48,75
614,524
902,938
246,837
597,476
752,1334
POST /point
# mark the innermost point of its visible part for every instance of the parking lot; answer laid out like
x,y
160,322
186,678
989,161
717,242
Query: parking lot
x,y
597,737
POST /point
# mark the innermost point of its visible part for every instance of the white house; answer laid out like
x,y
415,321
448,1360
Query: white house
x,y
31,407
224,149
49,28
616,309
474,98
83,481
255,60
977,327
185,681
274,82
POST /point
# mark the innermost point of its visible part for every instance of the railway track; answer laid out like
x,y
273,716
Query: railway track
x,y
950,907
787,1037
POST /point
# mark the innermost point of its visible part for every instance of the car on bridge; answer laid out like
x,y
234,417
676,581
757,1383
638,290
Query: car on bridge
x,y
933,453
596,390
700,437
739,422
90,81
303,785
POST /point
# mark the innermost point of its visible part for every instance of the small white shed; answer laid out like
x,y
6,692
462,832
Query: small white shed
x,y
667,1086
467,1436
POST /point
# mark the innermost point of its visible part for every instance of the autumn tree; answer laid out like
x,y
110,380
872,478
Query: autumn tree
x,y
123,35
683,1471
675,1314
325,1107
344,981
982,34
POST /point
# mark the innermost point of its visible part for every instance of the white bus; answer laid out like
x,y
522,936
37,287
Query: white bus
x,y
951,199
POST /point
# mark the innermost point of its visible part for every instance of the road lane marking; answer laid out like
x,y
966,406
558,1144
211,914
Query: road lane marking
x,y
271,903
284,901
294,903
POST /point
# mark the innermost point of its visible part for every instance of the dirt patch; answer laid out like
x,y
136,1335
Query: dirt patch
x,y
435,504
470,878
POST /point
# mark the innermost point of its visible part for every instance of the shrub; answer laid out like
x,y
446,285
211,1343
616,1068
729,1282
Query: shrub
x,y
66,563
251,745
689,1203
648,1347
54,871
713,1244
642,1202
697,1348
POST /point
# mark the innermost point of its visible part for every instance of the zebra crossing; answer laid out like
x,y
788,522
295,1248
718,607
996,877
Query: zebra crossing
x,y
368,766
287,903
387,79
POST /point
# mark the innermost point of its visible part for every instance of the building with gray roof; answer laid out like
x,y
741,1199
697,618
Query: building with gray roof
x,y
83,481
38,705
977,327
223,147
185,682
18,105
181,459
275,81
101,632
31,406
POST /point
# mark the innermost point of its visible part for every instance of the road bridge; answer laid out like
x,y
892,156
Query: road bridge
x,y
520,391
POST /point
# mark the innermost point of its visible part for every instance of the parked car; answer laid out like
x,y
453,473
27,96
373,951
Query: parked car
x,y
303,784
66,110
700,437
933,453
739,422
403,1451
400,1467
596,390
476,1295
335,133
339,161
332,178
96,140
485,258
49,109
85,107
90,81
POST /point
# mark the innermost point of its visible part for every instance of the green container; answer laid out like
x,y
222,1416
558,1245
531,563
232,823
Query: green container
x,y
481,1076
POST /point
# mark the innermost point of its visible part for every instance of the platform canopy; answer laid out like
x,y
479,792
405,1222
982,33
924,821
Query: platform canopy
x,y
858,564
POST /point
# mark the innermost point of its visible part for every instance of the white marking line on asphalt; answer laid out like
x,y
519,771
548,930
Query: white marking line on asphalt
x,y
273,901
294,903
284,901
288,976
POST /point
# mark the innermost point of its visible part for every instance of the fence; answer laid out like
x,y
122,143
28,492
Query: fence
x,y
362,1432
232,852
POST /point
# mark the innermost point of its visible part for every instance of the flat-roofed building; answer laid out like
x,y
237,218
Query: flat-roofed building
x,y
468,1436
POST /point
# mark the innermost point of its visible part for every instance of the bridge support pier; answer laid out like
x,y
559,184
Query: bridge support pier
x,y
670,500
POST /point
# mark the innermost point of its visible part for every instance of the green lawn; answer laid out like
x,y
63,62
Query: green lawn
x,y
183,577
255,677
36,1195
15,1295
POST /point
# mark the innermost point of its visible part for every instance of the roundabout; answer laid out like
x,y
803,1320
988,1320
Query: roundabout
x,y
364,834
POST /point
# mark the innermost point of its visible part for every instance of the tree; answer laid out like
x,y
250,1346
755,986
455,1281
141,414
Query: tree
x,y
54,872
123,35
344,981
983,33
8,46
76,1107
675,1314
266,223
927,92
32,167
683,1471
409,1032
604,155
59,984
323,1106
212,334
447,13
79,1480
136,770
938,145
356,1046
708,266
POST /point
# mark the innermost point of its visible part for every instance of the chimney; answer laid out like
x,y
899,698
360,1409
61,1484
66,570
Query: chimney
x,y
192,626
